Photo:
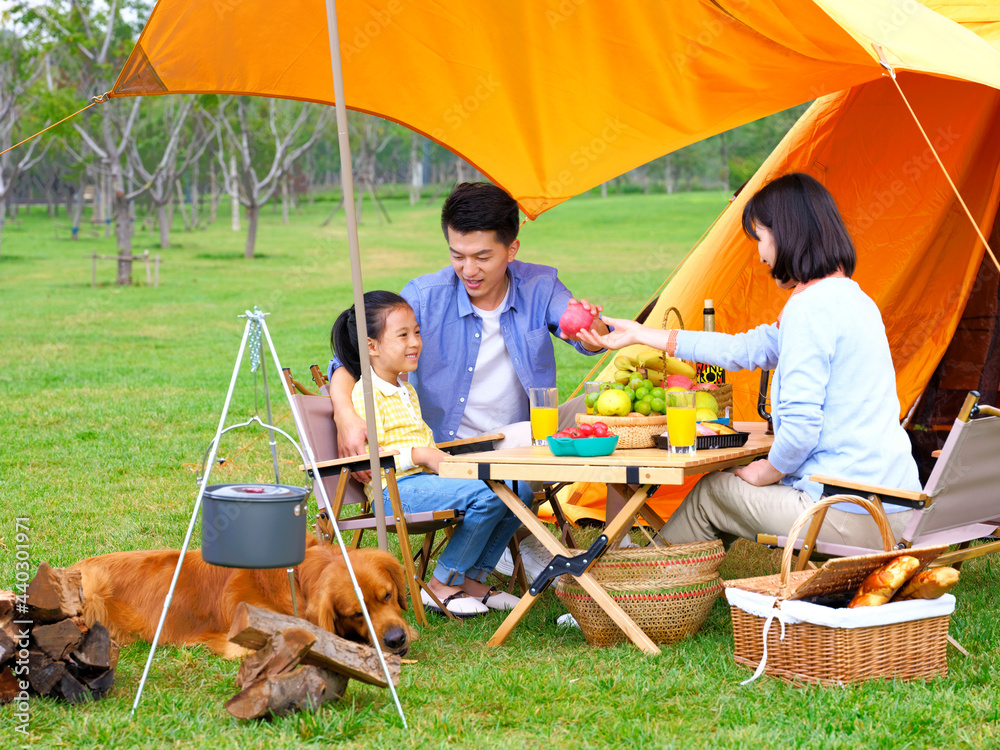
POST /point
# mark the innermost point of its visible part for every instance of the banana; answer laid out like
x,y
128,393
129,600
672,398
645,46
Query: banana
x,y
674,366
653,362
625,362
644,356
623,376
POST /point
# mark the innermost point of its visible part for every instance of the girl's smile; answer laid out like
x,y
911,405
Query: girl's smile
x,y
397,350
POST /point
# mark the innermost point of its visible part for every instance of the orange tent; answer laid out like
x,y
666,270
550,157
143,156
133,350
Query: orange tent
x,y
552,97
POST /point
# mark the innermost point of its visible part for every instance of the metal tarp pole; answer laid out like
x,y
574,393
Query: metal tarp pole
x,y
347,181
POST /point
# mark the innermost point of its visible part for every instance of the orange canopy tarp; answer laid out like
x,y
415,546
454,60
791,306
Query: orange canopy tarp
x,y
552,97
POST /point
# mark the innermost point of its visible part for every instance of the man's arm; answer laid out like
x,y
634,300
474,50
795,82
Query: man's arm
x,y
352,432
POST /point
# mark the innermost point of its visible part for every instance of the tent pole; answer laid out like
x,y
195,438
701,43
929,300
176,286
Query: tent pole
x,y
347,181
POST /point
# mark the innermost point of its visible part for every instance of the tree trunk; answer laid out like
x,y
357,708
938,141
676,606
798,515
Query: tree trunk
x,y
182,205
213,205
416,170
194,195
124,239
234,194
604,190
3,217
161,219
252,215
110,204
284,199
77,213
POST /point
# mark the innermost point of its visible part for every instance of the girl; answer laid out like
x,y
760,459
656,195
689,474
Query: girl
x,y
394,348
835,409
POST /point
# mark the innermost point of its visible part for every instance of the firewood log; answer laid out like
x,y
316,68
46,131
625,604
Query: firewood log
x,y
252,626
55,594
277,695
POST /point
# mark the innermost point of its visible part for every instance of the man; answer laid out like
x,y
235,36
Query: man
x,y
485,324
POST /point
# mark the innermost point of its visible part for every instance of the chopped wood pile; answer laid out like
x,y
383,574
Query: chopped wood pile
x,y
297,666
45,642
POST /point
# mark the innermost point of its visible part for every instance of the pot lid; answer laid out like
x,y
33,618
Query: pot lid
x,y
250,492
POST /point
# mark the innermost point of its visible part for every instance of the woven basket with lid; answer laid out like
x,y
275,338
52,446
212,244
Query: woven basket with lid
x,y
667,591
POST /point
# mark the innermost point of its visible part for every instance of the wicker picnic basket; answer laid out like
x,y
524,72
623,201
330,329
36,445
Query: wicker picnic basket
x,y
815,653
667,591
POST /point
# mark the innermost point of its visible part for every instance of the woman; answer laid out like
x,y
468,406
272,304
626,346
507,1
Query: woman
x,y
833,392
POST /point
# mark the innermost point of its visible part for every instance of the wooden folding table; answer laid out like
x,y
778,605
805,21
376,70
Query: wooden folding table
x,y
633,473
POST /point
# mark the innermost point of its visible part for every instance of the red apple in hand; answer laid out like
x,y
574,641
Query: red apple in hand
x,y
575,319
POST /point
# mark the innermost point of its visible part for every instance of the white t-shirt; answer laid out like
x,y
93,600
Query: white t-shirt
x,y
496,397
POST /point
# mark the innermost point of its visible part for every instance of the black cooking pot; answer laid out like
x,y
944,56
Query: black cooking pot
x,y
254,525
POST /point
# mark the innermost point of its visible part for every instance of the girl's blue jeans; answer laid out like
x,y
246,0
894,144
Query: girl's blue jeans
x,y
479,540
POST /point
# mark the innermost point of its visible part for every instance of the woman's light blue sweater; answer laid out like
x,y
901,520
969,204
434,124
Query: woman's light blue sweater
x,y
833,391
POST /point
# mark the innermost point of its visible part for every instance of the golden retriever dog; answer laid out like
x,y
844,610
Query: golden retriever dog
x,y
125,592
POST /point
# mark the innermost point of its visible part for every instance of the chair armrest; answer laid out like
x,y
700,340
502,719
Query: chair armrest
x,y
469,445
833,486
326,468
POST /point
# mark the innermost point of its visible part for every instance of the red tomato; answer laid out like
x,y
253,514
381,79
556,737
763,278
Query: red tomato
x,y
574,432
586,430
562,435
600,429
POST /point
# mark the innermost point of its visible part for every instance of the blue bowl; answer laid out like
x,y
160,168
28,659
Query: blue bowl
x,y
583,447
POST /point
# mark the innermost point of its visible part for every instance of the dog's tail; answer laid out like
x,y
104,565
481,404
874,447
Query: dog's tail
x,y
97,600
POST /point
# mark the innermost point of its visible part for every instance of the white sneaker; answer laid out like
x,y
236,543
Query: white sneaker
x,y
534,556
567,621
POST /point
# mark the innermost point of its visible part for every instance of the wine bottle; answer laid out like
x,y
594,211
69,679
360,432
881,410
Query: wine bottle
x,y
709,373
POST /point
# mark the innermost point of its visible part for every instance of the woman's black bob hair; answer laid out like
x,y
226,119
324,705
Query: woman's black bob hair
x,y
344,335
810,238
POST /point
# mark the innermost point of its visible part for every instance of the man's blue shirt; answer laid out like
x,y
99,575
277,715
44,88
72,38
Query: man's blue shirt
x,y
451,333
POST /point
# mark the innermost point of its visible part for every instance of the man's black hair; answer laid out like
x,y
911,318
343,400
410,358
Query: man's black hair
x,y
481,206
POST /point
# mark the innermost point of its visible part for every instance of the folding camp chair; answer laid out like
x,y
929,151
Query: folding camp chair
x,y
343,490
959,505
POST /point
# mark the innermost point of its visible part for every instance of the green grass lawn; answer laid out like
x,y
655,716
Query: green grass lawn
x,y
110,396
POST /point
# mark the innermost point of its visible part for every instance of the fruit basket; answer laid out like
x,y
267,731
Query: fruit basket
x,y
667,591
585,447
632,432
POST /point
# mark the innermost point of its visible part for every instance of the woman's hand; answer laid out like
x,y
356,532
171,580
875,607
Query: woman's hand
x,y
626,332
759,473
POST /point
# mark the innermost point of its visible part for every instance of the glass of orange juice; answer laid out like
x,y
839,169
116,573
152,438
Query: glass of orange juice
x,y
544,403
681,423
